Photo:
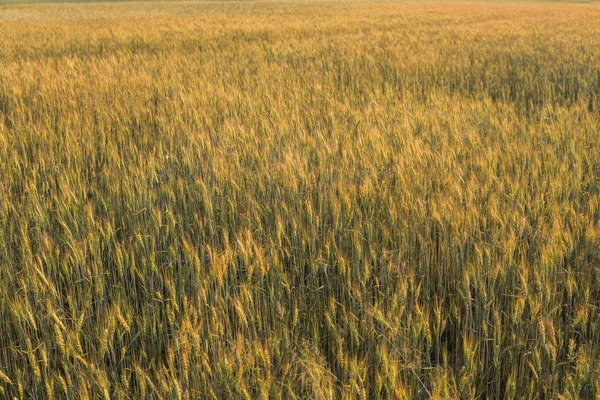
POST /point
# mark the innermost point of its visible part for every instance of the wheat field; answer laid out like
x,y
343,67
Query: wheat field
x,y
311,200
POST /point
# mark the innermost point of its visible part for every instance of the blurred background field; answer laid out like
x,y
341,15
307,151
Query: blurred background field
x,y
299,200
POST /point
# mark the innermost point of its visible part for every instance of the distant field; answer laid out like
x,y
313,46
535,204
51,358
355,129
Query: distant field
x,y
307,3
299,200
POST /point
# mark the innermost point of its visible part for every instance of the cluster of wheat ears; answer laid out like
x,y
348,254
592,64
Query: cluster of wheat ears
x,y
299,200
